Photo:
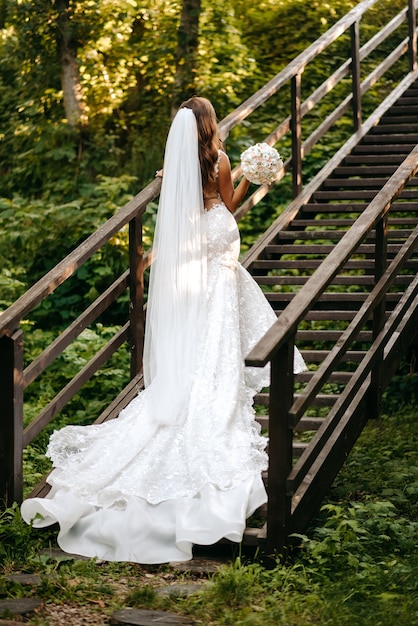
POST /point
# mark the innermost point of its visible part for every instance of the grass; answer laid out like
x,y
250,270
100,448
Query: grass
x,y
357,564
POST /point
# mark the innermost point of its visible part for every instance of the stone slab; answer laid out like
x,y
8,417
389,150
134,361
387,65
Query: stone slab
x,y
18,606
178,590
142,617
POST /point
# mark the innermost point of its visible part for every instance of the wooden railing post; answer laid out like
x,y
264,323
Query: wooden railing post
x,y
379,317
356,75
280,448
296,116
11,418
136,290
412,31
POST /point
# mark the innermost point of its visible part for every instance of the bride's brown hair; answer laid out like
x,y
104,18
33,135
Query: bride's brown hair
x,y
207,128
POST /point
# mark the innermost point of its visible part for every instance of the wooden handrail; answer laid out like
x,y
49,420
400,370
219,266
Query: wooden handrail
x,y
10,319
294,67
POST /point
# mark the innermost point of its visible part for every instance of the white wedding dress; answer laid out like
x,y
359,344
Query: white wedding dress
x,y
133,490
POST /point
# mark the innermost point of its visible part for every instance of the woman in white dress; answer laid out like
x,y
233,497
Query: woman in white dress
x,y
182,463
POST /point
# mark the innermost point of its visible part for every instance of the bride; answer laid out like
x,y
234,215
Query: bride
x,y
182,463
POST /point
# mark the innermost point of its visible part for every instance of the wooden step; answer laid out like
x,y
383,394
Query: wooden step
x,y
389,139
305,423
310,234
393,221
335,234
407,100
306,264
365,170
322,399
330,335
356,183
395,159
401,111
351,194
370,149
390,117
298,448
403,127
322,248
337,297
317,356
367,281
340,377
319,207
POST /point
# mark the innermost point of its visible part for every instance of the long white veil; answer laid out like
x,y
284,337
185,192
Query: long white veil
x,y
176,314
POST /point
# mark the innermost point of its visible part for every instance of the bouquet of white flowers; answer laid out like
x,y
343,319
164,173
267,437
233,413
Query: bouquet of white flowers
x,y
261,163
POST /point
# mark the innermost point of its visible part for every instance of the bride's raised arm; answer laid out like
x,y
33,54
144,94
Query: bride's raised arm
x,y
232,197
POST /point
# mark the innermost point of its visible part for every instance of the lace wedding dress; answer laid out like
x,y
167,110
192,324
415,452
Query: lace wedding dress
x,y
131,490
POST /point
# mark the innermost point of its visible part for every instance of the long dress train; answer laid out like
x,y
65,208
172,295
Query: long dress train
x,y
131,490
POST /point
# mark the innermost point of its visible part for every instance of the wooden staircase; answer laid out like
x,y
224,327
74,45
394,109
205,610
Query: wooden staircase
x,y
339,267
289,259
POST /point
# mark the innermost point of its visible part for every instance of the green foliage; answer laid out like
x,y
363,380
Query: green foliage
x,y
359,557
142,597
97,392
17,543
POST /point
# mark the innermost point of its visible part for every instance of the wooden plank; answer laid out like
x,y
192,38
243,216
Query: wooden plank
x,y
131,390
271,264
322,399
317,356
11,422
393,221
365,170
352,194
136,295
403,127
356,74
391,116
255,536
340,207
396,159
323,248
390,138
330,335
408,100
342,298
335,377
371,149
330,316
280,448
298,449
358,183
307,235
284,280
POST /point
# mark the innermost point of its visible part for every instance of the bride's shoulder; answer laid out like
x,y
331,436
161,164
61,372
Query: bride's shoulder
x,y
223,161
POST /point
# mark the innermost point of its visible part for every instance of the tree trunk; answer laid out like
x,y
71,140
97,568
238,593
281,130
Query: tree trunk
x,y
3,13
67,55
187,45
